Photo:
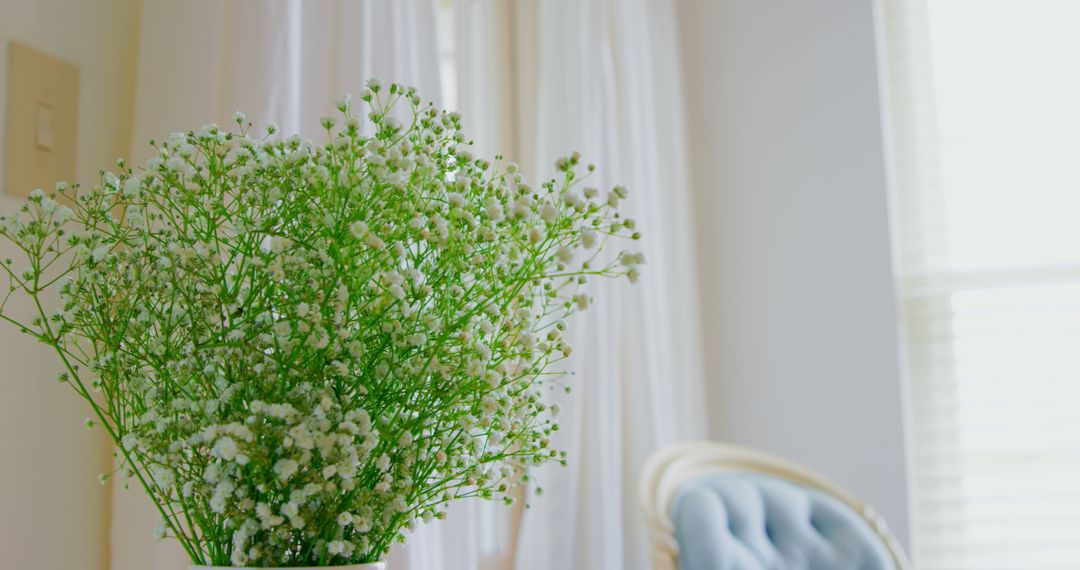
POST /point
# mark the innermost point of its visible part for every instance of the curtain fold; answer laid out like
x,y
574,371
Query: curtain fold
x,y
281,61
601,77
285,61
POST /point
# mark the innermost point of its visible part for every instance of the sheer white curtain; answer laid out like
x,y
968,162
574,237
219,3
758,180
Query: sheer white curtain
x,y
281,60
284,61
985,149
601,77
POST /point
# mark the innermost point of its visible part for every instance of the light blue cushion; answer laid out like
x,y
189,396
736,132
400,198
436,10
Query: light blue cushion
x,y
748,521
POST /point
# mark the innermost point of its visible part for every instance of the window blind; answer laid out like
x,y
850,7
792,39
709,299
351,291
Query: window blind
x,y
984,99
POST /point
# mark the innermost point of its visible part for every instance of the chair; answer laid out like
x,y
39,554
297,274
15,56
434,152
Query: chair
x,y
712,506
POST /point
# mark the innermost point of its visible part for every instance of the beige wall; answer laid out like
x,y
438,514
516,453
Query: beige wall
x,y
53,512
793,231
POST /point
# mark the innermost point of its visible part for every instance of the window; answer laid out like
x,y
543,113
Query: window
x,y
985,119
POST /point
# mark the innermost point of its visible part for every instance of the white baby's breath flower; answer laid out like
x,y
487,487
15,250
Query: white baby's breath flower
x,y
493,209
284,468
361,524
159,530
588,238
344,103
548,212
65,214
632,259
163,476
374,242
359,229
226,449
536,234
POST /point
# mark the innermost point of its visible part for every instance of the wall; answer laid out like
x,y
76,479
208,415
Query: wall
x,y
53,512
790,181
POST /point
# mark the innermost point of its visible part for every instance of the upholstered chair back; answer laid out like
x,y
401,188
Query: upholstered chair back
x,y
720,507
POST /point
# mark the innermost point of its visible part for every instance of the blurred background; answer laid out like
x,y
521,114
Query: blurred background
x,y
860,232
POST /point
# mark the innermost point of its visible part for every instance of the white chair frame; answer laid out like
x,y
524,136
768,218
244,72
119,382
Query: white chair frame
x,y
670,468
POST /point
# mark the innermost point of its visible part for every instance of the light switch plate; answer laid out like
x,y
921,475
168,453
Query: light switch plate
x,y
40,139
44,127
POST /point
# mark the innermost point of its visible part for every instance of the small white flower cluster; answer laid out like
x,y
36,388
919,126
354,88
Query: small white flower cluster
x,y
304,349
313,458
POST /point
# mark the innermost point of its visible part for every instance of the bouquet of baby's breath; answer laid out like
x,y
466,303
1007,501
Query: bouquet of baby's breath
x,y
301,350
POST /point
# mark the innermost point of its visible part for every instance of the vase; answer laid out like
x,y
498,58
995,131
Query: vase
x,y
369,566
